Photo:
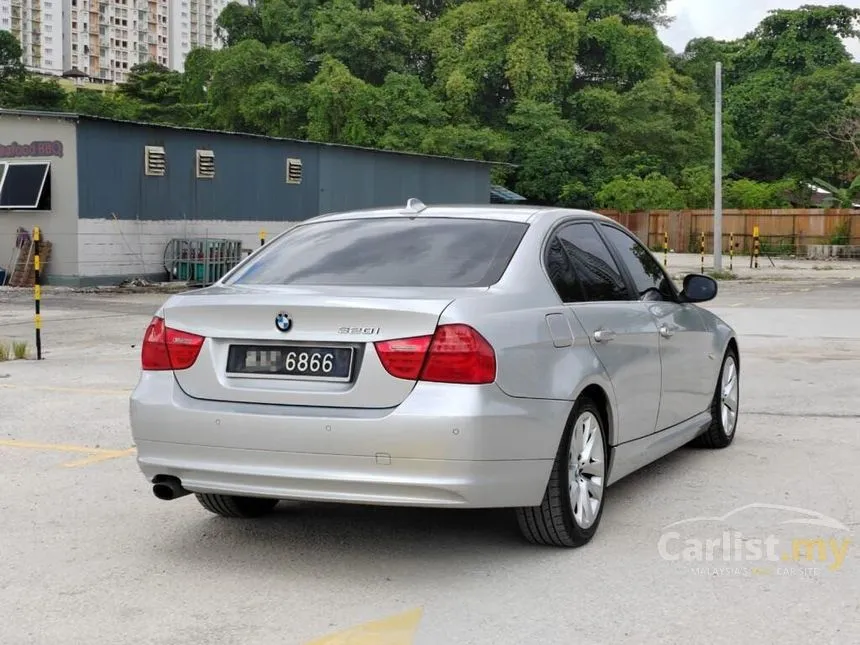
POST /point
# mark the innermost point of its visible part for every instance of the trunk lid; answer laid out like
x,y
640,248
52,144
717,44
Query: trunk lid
x,y
328,331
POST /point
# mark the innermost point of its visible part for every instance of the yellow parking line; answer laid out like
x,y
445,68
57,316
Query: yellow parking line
x,y
70,390
95,454
105,456
394,630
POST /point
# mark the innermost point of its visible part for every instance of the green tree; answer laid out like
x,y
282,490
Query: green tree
x,y
238,22
660,127
618,54
371,42
650,13
33,93
338,105
632,194
556,160
11,67
490,53
236,69
112,105
699,60
746,193
798,40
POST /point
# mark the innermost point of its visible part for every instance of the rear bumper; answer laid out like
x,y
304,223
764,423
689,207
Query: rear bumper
x,y
443,446
338,478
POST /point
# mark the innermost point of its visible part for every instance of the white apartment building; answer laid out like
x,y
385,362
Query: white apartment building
x,y
106,38
192,24
38,27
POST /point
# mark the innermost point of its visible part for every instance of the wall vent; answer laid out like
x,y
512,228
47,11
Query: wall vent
x,y
155,161
294,171
205,164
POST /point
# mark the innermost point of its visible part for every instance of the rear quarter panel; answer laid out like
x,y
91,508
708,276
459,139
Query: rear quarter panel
x,y
528,363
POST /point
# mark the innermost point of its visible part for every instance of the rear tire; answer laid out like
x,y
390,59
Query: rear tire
x,y
236,507
724,419
573,502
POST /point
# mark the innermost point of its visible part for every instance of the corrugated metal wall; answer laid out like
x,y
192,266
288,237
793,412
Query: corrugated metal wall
x,y
250,175
352,178
249,182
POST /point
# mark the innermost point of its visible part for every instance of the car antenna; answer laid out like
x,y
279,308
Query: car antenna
x,y
413,206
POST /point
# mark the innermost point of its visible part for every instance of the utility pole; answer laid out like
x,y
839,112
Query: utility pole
x,y
718,169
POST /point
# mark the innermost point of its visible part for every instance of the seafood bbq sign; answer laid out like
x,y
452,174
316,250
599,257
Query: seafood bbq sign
x,y
17,150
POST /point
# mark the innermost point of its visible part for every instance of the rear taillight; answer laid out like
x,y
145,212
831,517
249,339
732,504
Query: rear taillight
x,y
454,354
168,349
404,357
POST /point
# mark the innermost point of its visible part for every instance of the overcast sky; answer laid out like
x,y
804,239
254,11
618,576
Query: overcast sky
x,y
730,19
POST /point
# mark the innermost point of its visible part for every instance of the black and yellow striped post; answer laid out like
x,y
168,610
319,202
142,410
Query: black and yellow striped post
x,y
731,251
665,249
756,245
702,245
262,238
37,290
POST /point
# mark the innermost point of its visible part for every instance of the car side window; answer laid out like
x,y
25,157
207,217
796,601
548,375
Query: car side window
x,y
651,281
592,263
561,274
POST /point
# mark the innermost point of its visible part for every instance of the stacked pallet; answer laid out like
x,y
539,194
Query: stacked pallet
x,y
24,271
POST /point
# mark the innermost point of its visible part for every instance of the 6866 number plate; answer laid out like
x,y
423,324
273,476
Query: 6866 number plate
x,y
293,361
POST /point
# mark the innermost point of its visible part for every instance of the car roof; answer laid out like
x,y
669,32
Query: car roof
x,y
503,212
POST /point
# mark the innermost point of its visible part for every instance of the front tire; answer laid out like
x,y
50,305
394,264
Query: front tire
x,y
234,506
725,405
573,501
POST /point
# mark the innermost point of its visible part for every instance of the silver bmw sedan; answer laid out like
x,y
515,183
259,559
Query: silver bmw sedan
x,y
457,356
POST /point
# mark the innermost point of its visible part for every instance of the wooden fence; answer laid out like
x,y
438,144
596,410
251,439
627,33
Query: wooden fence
x,y
781,231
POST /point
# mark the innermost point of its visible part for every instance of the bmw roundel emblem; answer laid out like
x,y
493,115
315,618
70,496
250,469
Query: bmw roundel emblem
x,y
283,321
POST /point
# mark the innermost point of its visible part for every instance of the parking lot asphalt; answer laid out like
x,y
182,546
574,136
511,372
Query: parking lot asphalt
x,y
89,555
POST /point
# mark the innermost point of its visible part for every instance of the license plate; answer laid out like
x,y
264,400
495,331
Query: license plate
x,y
291,361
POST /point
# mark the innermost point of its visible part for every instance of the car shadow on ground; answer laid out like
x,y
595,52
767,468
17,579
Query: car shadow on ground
x,y
356,540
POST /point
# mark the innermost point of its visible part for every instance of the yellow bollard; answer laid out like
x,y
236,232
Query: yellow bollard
x,y
756,245
731,251
262,238
37,290
665,249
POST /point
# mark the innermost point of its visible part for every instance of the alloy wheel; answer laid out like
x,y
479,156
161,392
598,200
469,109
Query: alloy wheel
x,y
729,388
586,469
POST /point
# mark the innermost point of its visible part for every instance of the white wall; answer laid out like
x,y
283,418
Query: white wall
x,y
60,224
133,248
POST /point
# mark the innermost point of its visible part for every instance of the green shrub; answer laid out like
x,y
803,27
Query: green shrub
x,y
19,349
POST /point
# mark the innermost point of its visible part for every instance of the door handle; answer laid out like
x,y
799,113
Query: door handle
x,y
665,332
604,335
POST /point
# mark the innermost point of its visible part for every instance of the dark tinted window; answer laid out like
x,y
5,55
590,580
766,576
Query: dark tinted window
x,y
393,252
596,271
23,185
559,267
650,280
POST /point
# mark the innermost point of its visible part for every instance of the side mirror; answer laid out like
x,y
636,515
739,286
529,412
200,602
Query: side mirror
x,y
699,288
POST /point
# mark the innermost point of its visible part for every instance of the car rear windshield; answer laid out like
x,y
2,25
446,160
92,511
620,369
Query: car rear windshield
x,y
391,252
